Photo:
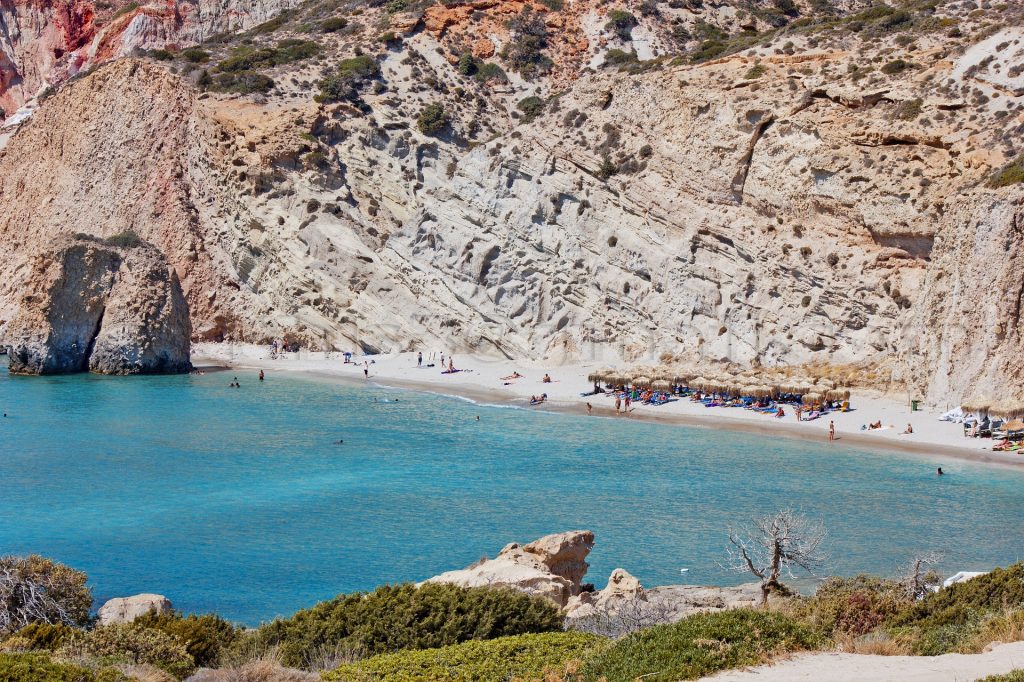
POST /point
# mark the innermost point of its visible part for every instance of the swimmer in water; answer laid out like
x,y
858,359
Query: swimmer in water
x,y
939,472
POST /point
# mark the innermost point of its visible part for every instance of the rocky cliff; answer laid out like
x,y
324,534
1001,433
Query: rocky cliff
x,y
107,307
757,185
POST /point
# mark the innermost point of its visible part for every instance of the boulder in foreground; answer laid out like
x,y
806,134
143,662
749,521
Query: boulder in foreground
x,y
551,567
127,609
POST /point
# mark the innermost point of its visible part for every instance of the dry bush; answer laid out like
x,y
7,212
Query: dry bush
x,y
266,668
1005,626
878,643
146,673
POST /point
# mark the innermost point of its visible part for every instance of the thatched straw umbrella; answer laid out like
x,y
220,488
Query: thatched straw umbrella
x,y
811,398
976,405
1007,409
661,384
641,381
603,374
837,394
1015,425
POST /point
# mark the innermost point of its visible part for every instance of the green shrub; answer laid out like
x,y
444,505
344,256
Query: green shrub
x,y
43,636
853,606
195,55
344,82
126,240
621,23
1003,588
274,24
895,66
909,109
1010,174
134,644
617,57
525,52
756,71
205,637
243,82
333,25
496,660
246,58
130,7
433,119
42,668
160,54
35,588
531,107
700,645
397,617
468,64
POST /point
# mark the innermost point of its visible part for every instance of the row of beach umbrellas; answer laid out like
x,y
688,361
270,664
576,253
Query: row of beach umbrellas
x,y
754,383
1004,409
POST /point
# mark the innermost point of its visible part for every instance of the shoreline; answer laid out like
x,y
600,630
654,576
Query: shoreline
x,y
479,380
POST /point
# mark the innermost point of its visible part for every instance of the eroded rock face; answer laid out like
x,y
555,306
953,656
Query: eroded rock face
x,y
127,609
92,306
551,567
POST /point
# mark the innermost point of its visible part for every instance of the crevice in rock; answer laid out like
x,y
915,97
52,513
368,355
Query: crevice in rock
x,y
92,341
739,180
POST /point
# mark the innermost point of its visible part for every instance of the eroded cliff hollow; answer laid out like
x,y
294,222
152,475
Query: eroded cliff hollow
x,y
110,307
823,193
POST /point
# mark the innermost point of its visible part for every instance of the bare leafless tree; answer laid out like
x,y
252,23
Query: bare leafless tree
x,y
919,576
774,545
36,589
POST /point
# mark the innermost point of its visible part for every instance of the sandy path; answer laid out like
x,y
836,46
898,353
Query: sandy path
x,y
856,668
481,380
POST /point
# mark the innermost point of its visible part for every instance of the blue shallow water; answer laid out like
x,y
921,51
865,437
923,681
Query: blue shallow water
x,y
237,501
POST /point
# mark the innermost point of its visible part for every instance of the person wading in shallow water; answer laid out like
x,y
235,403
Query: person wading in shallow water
x,y
261,375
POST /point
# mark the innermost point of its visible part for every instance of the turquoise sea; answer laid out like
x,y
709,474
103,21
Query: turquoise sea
x,y
239,501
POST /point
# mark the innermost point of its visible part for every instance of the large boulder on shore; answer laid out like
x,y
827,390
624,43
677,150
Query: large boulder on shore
x,y
107,306
127,609
552,567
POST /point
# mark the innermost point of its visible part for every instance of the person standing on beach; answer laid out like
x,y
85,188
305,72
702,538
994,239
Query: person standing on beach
x,y
831,431
627,403
366,369
618,403
419,359
590,409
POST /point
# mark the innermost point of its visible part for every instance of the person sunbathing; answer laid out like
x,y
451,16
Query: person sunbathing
x,y
910,429
546,379
875,425
513,375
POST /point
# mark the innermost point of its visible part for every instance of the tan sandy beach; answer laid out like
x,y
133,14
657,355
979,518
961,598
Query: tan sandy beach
x,y
837,667
480,379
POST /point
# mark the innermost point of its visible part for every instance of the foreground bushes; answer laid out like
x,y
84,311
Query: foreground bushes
x,y
496,660
42,668
398,617
35,589
205,637
700,645
128,643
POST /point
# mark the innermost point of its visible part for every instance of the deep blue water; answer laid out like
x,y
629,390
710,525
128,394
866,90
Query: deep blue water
x,y
238,501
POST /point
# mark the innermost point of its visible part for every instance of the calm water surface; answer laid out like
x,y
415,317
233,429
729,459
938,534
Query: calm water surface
x,y
238,500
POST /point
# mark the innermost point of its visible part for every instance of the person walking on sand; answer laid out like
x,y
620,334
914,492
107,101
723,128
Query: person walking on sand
x,y
419,359
590,409
366,369
831,431
627,403
618,404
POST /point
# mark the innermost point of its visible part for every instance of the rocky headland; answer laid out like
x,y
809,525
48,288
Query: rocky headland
x,y
105,306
